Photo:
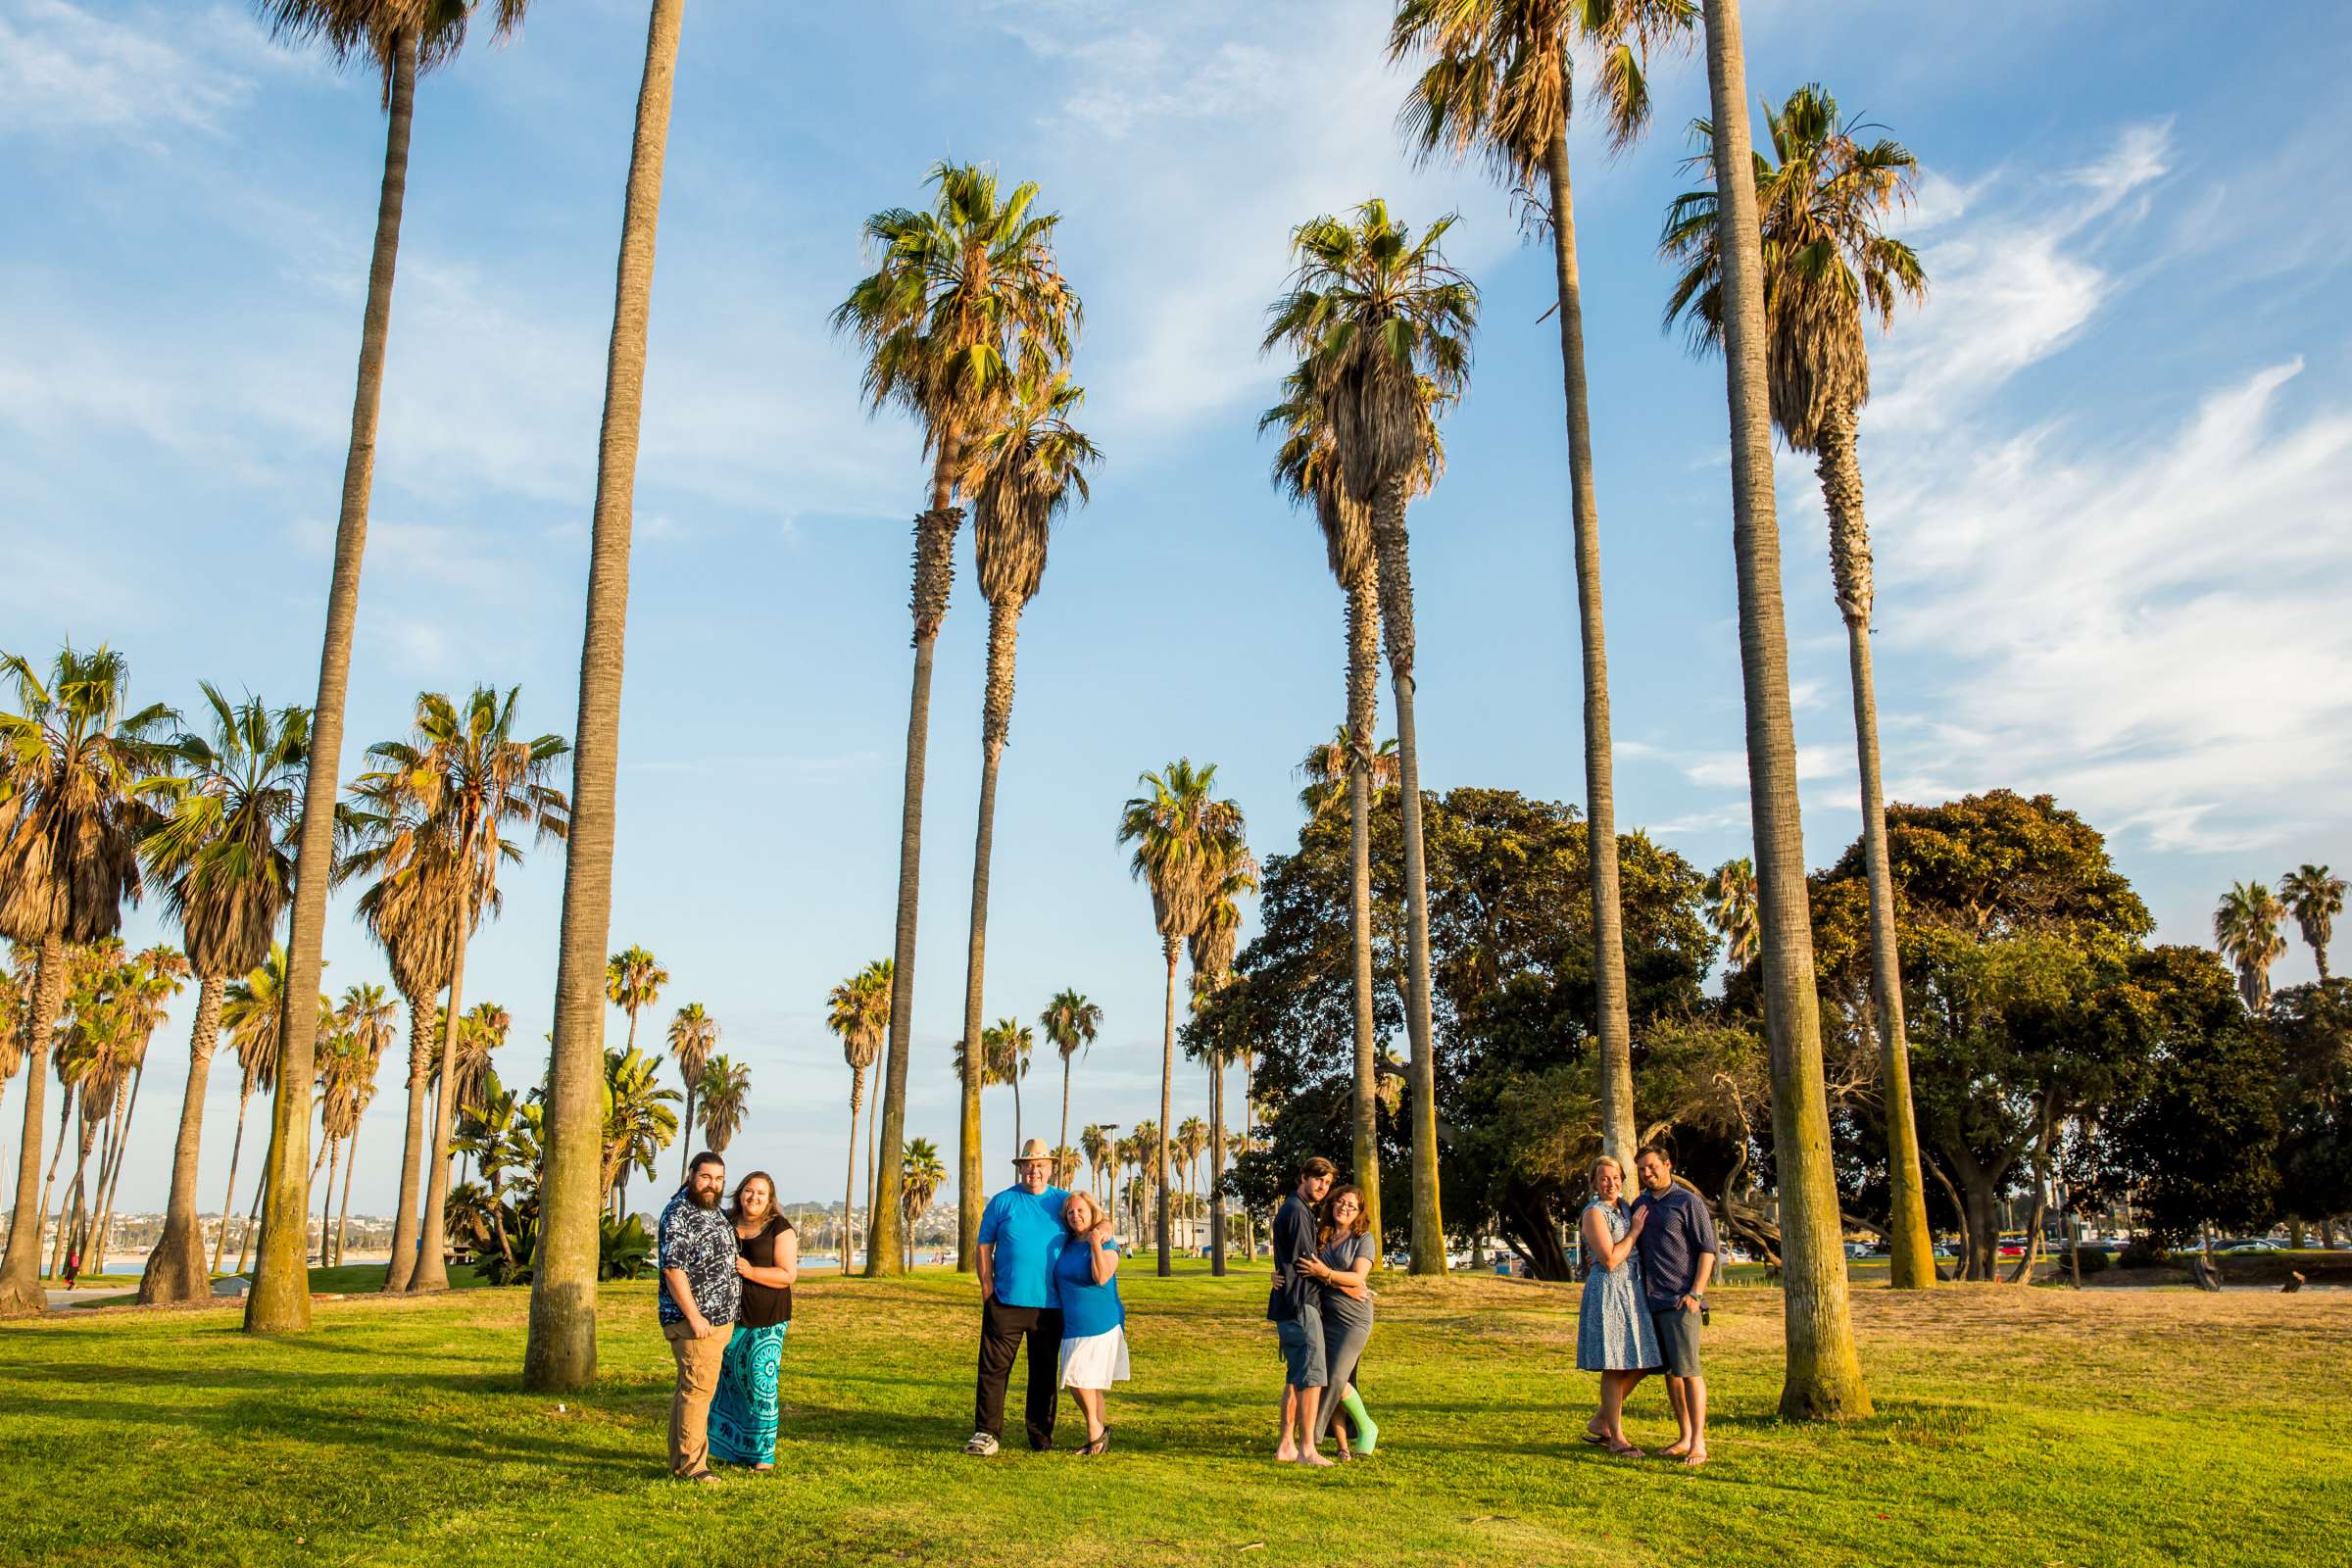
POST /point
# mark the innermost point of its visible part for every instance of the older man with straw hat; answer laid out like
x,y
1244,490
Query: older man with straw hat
x,y
1020,1239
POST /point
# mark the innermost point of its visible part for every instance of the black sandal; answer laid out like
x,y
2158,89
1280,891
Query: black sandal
x,y
1101,1444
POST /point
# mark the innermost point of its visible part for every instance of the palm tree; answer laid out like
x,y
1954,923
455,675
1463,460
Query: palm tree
x,y
222,858
347,1065
1028,469
1097,1145
15,1003
1212,945
73,763
920,1176
1070,1024
726,1089
560,1350
1187,844
2315,895
1192,1141
2245,929
411,909
1383,327
252,1016
1066,1166
151,980
502,1134
1826,262
693,1036
633,982
1732,911
859,1011
638,1121
1306,468
966,297
1823,1377
1009,1043
365,1014
399,39
457,785
1502,81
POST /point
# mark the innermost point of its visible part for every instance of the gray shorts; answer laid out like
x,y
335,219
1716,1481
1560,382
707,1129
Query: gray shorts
x,y
1677,1342
1302,1339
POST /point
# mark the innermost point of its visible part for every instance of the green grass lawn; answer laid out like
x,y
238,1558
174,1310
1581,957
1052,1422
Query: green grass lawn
x,y
2034,1427
348,1280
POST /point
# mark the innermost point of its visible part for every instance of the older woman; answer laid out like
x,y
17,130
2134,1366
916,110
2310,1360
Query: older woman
x,y
767,1258
1614,1336
1342,1263
1094,1323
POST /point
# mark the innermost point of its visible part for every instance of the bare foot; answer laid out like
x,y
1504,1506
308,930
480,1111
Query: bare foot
x,y
1680,1449
1626,1450
1695,1457
1288,1453
1311,1457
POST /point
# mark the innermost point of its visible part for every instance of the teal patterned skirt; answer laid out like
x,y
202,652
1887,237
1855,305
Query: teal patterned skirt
x,y
743,1412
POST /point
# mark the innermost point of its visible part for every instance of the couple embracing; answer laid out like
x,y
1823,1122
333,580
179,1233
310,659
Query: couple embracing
x,y
1645,1299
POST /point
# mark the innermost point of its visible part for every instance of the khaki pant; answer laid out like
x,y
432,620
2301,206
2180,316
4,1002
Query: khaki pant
x,y
690,1406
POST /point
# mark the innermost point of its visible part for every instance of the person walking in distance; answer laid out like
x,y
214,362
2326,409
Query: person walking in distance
x,y
1021,1238
1294,1308
1677,1251
696,1302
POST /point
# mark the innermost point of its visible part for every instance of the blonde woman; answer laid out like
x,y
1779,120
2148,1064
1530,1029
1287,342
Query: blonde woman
x,y
1094,1323
1614,1335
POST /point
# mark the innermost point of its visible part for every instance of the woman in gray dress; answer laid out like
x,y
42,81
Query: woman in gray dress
x,y
1342,1263
1614,1336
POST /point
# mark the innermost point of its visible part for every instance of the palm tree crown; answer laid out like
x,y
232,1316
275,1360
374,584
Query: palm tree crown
x,y
224,849
2315,895
2245,927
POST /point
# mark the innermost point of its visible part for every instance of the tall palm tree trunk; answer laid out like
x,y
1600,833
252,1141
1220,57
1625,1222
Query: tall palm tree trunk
x,y
74,1207
560,1353
327,1202
64,1141
236,1150
1824,1375
1910,1247
934,577
1216,1165
995,723
1015,1081
849,1185
1615,1029
1363,720
351,1162
1167,1085
874,1116
431,1272
686,1132
403,1262
1397,628
1064,1141
253,1220
175,1269
281,1298
113,1173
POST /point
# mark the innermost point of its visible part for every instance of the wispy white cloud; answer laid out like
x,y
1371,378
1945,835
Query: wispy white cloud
x,y
69,70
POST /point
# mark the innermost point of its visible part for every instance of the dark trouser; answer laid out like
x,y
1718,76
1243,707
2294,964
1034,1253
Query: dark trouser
x,y
1002,1329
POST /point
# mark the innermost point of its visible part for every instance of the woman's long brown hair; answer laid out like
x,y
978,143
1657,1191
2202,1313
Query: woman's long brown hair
x,y
1326,1227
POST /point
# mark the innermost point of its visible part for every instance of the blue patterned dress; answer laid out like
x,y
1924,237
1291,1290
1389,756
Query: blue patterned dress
x,y
1613,1331
744,1409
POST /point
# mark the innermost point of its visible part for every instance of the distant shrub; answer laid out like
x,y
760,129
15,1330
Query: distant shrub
x,y
2092,1260
2142,1252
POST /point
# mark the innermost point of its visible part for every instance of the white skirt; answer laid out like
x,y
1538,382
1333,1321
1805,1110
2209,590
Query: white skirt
x,y
1095,1361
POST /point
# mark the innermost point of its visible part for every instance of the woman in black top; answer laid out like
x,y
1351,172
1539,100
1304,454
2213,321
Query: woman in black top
x,y
743,1412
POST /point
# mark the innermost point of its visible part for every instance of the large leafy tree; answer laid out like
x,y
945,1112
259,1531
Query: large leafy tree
x,y
1823,1376
450,794
74,761
693,1036
1382,325
1501,81
2245,929
857,1011
965,297
1828,266
1070,1022
223,857
397,39
2315,895
560,1350
1188,843
1028,469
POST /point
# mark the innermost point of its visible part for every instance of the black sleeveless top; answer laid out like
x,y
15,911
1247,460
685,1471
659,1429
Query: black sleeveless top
x,y
763,1305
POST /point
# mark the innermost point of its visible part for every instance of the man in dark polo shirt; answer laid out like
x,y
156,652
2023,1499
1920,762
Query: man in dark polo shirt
x,y
1679,1250
1294,1307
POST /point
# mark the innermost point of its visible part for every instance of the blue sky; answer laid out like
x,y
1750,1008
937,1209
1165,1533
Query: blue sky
x,y
2107,462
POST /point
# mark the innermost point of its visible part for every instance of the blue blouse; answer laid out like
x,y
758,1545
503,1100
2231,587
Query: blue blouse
x,y
1087,1308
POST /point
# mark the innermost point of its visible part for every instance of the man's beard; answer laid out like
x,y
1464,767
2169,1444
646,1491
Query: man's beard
x,y
703,1200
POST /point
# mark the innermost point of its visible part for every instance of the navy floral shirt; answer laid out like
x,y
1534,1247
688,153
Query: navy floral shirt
x,y
701,1241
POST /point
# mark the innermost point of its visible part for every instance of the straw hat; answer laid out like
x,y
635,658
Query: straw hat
x,y
1034,1148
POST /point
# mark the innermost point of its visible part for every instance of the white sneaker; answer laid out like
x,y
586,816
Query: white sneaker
x,y
981,1447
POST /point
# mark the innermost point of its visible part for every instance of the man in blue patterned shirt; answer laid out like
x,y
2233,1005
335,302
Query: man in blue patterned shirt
x,y
696,1299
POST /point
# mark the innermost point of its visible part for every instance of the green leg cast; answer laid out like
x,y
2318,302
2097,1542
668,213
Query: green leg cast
x,y
1368,1430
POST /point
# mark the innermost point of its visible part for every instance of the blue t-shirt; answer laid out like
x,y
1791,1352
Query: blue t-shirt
x,y
1025,1229
1086,1307
1679,1228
